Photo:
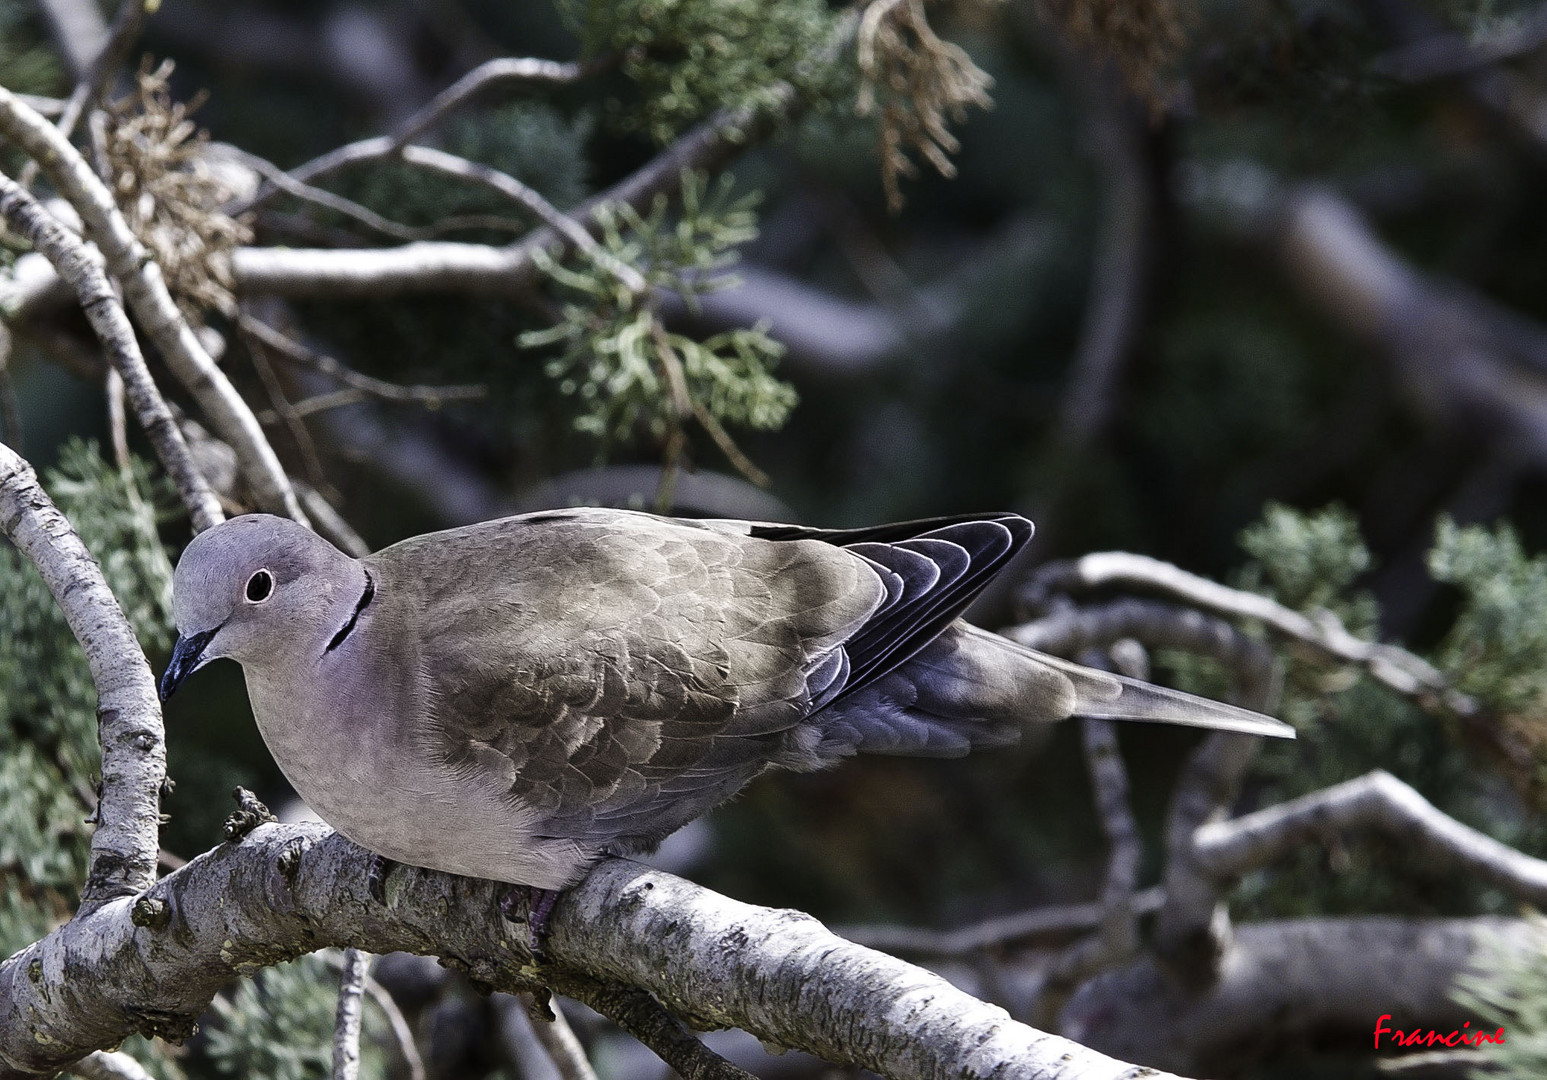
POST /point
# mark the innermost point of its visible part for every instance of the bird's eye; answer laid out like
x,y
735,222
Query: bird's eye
x,y
260,586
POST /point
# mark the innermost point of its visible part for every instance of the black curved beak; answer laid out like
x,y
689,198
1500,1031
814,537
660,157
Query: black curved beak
x,y
187,655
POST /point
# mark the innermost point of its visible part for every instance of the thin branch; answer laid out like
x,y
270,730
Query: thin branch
x,y
74,264
124,847
431,266
328,200
294,351
1437,1063
999,933
78,31
1396,668
347,1017
1119,934
289,889
400,1029
285,410
641,1016
105,64
1117,938
1378,803
146,293
504,184
551,1033
330,524
561,1043
464,89
117,422
384,1001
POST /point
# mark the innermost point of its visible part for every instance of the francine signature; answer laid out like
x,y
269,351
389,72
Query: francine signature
x,y
1462,1036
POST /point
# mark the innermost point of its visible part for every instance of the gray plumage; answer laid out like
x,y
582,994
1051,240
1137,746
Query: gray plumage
x,y
513,699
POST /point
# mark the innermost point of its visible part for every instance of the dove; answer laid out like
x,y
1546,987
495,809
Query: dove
x,y
515,699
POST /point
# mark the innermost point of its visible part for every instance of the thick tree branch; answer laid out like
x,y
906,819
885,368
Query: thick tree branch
x,y
125,845
147,296
1378,802
75,265
286,890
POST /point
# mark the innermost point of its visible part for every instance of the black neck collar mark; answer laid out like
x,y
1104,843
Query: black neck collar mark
x,y
364,602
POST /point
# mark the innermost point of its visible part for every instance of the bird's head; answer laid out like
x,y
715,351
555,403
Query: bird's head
x,y
258,589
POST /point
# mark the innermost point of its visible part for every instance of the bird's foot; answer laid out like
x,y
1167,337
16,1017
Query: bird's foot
x,y
376,877
538,906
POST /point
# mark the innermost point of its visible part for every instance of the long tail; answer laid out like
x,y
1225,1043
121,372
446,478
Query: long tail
x,y
970,688
1104,696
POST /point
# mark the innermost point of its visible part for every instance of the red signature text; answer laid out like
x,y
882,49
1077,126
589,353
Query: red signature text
x,y
1417,1037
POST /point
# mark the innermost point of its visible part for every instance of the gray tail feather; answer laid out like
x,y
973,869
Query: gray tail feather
x,y
1103,696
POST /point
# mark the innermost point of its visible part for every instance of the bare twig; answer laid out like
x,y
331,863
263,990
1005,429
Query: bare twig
x,y
508,186
1396,668
294,351
639,1014
384,1001
555,1036
1001,932
509,271
1377,802
1440,1063
330,524
1117,938
347,1017
319,403
285,410
125,846
74,264
78,30
328,200
104,63
146,293
464,89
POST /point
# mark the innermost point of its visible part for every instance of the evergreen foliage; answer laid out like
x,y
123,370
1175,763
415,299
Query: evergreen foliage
x,y
617,359
1497,649
279,1026
1310,561
690,57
